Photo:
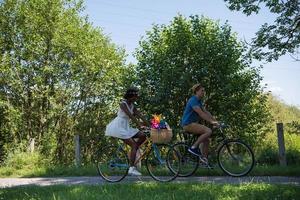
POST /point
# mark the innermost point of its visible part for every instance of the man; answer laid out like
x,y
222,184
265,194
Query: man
x,y
193,110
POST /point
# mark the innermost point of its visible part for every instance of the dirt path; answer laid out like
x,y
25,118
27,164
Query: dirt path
x,y
12,182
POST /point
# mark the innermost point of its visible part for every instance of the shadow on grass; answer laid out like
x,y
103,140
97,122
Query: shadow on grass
x,y
155,191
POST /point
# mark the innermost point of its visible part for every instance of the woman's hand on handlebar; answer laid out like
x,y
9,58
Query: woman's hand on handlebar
x,y
142,127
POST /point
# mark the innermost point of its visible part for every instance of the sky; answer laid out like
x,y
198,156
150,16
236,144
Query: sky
x,y
126,21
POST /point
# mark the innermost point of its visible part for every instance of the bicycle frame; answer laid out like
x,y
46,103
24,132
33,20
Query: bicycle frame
x,y
221,146
147,144
114,164
190,138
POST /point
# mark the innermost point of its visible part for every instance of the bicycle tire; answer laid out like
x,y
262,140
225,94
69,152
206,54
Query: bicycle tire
x,y
235,158
188,162
157,164
112,163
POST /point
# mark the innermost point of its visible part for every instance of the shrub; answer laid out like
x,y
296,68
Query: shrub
x,y
21,160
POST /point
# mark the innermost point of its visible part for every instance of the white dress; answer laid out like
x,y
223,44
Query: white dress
x,y
119,127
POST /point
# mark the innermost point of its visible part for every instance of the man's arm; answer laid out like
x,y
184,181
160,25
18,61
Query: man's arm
x,y
204,115
208,113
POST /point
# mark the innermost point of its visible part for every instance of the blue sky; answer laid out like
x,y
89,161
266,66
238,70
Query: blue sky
x,y
125,21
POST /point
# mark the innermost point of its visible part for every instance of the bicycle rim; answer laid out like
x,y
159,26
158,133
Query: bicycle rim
x,y
188,162
235,158
158,166
112,163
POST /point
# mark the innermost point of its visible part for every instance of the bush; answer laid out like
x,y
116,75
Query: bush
x,y
23,160
268,153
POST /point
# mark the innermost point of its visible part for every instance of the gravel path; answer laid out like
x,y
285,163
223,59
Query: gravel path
x,y
84,180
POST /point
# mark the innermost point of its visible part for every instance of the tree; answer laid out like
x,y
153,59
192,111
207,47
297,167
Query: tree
x,y
273,40
59,76
171,58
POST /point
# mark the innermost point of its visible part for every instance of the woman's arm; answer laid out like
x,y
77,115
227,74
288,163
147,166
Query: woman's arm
x,y
139,114
124,107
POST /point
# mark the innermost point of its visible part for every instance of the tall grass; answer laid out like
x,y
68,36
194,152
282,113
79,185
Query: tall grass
x,y
267,154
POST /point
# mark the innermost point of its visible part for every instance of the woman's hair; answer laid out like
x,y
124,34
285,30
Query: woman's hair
x,y
131,92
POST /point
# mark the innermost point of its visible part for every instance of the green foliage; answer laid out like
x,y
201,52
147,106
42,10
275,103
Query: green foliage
x,y
172,58
281,37
294,127
21,160
59,76
267,153
282,112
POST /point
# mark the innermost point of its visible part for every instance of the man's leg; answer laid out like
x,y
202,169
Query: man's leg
x,y
205,148
204,133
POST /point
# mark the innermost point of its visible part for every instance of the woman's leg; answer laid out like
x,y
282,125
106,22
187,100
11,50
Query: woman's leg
x,y
141,138
134,147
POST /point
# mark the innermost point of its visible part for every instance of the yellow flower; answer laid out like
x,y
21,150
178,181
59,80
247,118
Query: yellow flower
x,y
157,118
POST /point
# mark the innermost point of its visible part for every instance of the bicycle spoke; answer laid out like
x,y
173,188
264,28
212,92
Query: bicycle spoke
x,y
159,166
188,162
112,163
236,158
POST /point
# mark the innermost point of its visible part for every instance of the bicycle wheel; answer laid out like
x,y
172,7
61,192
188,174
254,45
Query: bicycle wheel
x,y
159,166
112,163
235,158
188,162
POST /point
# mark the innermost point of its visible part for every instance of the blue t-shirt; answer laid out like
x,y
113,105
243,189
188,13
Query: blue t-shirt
x,y
189,115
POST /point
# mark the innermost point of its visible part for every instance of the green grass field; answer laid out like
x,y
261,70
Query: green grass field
x,y
154,191
91,171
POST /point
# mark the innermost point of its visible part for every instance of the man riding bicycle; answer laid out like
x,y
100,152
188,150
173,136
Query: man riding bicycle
x,y
193,110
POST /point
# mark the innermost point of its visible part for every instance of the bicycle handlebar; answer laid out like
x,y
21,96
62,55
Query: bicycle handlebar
x,y
223,125
145,129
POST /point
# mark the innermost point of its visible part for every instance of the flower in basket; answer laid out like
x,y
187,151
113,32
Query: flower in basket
x,y
160,130
158,122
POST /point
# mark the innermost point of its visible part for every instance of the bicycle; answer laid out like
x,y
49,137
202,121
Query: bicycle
x,y
113,162
234,156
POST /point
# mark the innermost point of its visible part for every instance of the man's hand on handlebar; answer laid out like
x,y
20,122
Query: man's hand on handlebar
x,y
215,124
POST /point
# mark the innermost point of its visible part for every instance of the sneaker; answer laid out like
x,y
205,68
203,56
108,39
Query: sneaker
x,y
134,172
196,152
203,160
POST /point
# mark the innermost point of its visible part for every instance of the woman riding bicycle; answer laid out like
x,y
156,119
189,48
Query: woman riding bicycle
x,y
120,127
193,110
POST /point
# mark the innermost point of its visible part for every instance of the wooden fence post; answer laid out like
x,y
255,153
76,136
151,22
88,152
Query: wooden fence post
x,y
77,150
282,156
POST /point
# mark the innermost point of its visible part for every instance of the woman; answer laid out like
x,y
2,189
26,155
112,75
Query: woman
x,y
120,126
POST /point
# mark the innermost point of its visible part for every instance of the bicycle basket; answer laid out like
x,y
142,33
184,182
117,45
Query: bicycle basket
x,y
160,136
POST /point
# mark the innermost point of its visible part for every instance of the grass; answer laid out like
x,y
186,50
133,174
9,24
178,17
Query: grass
x,y
154,191
51,171
90,170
